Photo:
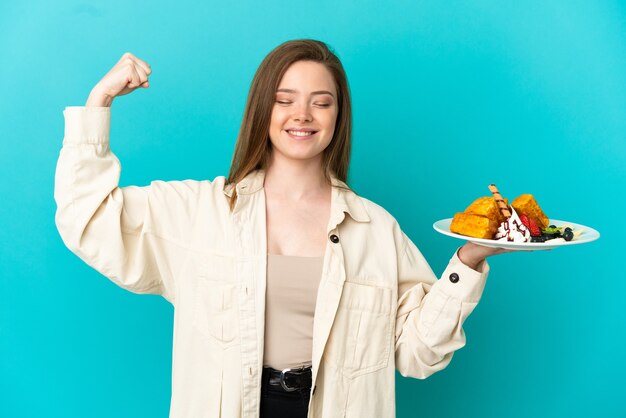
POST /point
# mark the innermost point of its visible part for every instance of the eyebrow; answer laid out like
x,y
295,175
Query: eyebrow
x,y
312,93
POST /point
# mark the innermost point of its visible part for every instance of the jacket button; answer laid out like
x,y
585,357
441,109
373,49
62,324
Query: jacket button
x,y
454,277
334,238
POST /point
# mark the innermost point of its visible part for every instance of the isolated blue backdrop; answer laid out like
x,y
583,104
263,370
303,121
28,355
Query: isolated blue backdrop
x,y
448,97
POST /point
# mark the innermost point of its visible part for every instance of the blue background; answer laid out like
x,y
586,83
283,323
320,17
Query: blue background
x,y
448,97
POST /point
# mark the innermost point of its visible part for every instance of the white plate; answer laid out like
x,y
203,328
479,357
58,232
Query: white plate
x,y
582,235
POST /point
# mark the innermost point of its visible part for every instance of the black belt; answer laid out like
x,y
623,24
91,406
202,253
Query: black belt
x,y
289,379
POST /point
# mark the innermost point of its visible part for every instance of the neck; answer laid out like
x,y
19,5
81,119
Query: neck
x,y
295,179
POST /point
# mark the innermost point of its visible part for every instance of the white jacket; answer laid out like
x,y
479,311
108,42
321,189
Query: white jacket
x,y
379,305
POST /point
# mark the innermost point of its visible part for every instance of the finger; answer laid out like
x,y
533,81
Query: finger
x,y
143,77
129,59
127,56
134,80
141,63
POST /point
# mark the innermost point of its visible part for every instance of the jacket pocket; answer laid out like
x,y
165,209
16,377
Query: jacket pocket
x,y
360,340
215,303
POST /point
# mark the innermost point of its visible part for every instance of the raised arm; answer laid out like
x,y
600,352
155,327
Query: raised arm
x,y
107,226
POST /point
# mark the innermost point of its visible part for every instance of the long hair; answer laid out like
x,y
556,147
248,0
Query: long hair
x,y
253,147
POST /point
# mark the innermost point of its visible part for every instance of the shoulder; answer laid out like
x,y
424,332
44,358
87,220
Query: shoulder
x,y
379,216
358,201
188,195
189,187
179,210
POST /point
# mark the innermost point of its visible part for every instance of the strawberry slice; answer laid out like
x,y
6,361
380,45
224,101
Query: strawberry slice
x,y
524,220
534,229
531,225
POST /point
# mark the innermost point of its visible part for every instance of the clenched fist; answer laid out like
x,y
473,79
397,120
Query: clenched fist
x,y
127,75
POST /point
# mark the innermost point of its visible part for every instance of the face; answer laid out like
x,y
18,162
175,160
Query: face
x,y
304,112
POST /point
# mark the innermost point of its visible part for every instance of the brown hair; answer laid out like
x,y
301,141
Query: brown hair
x,y
253,146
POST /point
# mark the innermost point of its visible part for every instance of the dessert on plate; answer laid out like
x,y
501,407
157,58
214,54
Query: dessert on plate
x,y
491,217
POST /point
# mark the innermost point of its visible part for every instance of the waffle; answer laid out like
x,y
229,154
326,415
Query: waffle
x,y
527,205
473,225
483,217
486,206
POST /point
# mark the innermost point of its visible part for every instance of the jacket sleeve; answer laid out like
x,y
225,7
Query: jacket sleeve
x,y
431,312
108,227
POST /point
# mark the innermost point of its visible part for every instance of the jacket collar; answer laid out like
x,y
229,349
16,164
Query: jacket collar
x,y
344,199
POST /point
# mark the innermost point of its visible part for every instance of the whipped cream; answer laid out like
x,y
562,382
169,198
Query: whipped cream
x,y
513,230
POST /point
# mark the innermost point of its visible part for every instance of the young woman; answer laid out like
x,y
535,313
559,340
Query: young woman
x,y
293,296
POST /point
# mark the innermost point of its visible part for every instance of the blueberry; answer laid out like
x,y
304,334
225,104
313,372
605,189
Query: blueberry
x,y
567,228
552,226
568,235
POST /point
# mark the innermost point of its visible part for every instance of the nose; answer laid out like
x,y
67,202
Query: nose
x,y
302,113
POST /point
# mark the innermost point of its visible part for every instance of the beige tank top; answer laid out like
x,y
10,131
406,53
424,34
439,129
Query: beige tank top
x,y
291,292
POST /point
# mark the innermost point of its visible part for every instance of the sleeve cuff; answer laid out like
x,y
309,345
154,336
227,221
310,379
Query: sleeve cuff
x,y
462,282
87,125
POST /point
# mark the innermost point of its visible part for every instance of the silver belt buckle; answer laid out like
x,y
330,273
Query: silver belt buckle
x,y
282,377
282,381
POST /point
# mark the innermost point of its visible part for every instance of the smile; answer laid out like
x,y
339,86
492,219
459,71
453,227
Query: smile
x,y
301,133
